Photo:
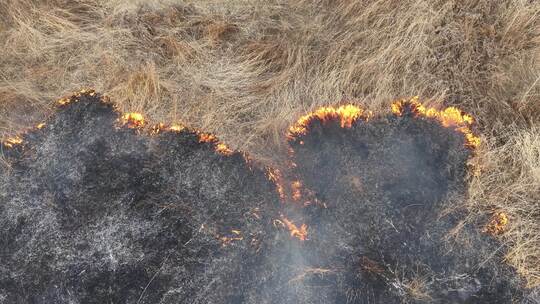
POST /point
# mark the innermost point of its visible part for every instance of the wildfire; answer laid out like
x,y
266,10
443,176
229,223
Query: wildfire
x,y
498,223
300,233
133,120
12,141
346,115
450,117
40,126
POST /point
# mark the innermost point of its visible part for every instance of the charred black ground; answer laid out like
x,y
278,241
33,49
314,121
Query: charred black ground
x,y
391,231
95,212
91,212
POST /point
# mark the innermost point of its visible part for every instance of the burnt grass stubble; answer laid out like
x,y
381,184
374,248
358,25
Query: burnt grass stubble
x,y
92,212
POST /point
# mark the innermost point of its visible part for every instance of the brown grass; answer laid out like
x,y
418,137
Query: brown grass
x,y
245,69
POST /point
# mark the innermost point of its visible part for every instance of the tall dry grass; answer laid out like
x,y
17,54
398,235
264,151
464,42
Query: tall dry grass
x,y
245,69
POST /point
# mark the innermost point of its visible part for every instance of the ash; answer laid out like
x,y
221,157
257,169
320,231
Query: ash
x,y
95,212
392,230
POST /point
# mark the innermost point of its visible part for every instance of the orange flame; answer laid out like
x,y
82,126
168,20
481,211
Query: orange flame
x,y
223,149
498,223
40,126
449,117
67,100
12,141
133,120
177,128
300,233
207,138
220,147
346,115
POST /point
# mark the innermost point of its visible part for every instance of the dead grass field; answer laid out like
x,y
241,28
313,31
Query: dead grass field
x,y
245,69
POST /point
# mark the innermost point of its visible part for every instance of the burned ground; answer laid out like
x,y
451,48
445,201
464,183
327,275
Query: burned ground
x,y
91,212
96,211
390,231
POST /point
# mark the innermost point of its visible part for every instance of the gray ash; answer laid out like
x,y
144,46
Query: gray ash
x,y
95,212
390,232
91,212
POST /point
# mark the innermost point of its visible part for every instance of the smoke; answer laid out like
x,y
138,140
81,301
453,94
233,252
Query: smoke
x,y
390,231
94,211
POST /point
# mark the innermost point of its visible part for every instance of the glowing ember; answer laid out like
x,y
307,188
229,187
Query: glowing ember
x,y
275,176
156,129
13,141
133,120
300,233
236,235
450,117
346,115
296,190
498,224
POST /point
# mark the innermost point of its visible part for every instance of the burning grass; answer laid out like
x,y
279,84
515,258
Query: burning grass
x,y
151,213
246,70
108,212
388,242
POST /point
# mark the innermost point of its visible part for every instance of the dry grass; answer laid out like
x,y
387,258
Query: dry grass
x,y
244,69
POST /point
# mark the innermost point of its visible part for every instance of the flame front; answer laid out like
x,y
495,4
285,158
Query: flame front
x,y
133,120
12,141
450,117
346,115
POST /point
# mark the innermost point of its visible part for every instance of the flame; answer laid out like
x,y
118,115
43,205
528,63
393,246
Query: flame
x,y
133,120
220,147
176,128
498,223
223,149
12,141
207,138
346,115
300,233
450,117
74,98
63,101
40,126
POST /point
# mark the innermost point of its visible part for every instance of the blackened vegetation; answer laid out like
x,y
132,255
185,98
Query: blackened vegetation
x,y
95,212
92,212
391,232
